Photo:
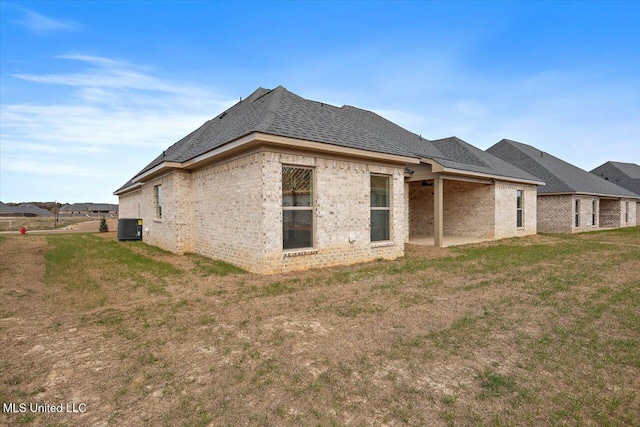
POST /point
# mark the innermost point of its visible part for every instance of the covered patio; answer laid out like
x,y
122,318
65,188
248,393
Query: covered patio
x,y
449,210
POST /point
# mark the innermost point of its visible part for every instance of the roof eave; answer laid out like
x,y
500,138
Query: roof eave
x,y
336,149
258,138
438,168
584,193
125,190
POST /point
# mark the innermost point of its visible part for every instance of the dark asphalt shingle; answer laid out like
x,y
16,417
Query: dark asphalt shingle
x,y
25,208
81,207
283,113
559,176
626,175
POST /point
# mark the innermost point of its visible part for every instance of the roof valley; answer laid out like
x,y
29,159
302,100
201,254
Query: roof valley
x,y
280,112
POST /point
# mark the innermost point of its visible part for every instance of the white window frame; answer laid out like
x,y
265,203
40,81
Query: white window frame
x,y
520,208
576,213
311,208
594,210
381,208
626,211
157,201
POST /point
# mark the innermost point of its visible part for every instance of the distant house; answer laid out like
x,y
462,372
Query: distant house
x,y
573,199
626,175
89,209
279,183
23,210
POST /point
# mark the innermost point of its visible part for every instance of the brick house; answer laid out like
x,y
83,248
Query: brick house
x,y
573,199
626,175
280,183
89,209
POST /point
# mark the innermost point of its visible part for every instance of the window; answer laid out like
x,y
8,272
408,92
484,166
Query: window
x,y
594,209
297,207
157,199
519,208
379,208
626,211
577,213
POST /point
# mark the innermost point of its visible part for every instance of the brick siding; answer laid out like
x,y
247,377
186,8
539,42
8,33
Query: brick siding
x,y
233,211
506,217
473,209
555,214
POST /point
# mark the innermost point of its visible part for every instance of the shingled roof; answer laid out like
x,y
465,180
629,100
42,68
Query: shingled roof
x,y
89,207
24,209
458,154
626,175
559,176
282,113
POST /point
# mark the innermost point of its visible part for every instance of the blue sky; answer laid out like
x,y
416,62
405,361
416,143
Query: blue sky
x,y
90,92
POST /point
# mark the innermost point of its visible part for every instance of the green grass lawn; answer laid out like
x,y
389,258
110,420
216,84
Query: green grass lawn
x,y
543,330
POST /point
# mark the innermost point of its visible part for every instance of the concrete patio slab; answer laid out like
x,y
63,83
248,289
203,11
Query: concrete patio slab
x,y
447,240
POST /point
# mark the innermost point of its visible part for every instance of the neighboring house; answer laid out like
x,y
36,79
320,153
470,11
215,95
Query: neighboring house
x,y
23,210
89,209
573,199
279,183
626,175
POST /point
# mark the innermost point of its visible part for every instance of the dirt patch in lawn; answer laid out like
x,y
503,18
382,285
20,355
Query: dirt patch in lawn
x,y
484,334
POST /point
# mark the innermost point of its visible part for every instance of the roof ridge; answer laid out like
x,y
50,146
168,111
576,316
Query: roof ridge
x,y
268,91
272,108
463,145
518,146
613,162
565,173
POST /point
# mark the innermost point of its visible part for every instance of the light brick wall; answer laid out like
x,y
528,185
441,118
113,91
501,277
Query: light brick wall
x,y
473,209
182,187
586,211
161,232
233,211
140,204
506,224
631,214
407,194
637,213
555,214
420,210
129,205
227,212
468,209
342,209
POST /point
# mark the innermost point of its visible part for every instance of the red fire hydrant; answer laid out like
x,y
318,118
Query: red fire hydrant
x,y
23,230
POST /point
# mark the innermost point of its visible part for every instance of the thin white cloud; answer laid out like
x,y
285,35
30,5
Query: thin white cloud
x,y
583,116
41,167
113,103
106,73
100,61
111,118
41,25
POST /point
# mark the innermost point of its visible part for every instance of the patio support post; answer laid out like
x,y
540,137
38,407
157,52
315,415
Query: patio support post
x,y
438,212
